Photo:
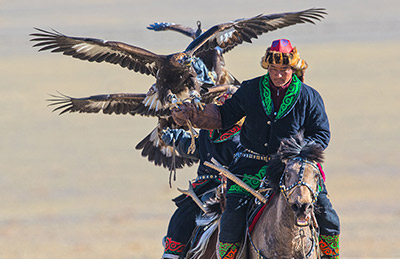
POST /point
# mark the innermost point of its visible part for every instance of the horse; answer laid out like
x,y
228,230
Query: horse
x,y
286,227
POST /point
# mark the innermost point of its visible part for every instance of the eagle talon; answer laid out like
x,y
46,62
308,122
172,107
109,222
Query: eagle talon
x,y
172,98
198,104
193,135
174,101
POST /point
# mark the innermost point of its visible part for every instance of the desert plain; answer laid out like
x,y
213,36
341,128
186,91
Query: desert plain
x,y
73,186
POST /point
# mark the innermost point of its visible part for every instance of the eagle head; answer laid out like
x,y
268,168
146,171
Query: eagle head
x,y
180,60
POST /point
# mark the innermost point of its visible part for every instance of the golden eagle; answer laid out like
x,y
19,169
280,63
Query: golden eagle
x,y
175,76
212,58
174,73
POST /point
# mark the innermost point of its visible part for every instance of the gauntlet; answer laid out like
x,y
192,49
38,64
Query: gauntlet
x,y
208,118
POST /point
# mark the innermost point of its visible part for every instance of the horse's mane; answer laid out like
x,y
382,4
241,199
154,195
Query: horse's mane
x,y
294,146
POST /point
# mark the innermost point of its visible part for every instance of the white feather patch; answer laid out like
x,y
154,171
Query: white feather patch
x,y
224,36
82,46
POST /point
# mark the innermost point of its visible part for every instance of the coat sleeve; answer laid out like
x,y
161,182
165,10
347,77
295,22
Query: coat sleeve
x,y
317,123
232,110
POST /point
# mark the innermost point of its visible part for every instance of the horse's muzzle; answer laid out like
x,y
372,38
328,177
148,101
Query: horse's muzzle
x,y
302,213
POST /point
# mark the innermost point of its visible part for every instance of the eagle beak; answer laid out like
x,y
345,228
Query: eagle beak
x,y
186,61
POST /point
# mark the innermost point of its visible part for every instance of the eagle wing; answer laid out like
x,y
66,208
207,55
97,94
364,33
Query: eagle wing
x,y
121,103
167,26
152,146
155,150
228,35
91,49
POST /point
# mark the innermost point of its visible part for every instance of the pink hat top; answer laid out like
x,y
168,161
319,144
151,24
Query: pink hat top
x,y
281,45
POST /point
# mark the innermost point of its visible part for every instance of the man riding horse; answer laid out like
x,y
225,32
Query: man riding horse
x,y
276,105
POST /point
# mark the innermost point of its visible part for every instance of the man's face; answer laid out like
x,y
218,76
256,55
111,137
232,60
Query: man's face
x,y
280,74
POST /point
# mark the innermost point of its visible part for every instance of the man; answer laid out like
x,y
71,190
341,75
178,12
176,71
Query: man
x,y
220,144
276,105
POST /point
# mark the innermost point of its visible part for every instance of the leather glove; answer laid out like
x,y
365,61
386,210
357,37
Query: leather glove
x,y
174,134
182,114
208,118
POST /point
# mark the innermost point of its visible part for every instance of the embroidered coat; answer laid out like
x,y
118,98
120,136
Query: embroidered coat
x,y
302,109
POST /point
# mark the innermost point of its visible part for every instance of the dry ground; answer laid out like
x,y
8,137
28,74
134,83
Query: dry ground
x,y
73,186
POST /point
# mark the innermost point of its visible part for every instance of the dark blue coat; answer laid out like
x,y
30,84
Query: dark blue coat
x,y
301,109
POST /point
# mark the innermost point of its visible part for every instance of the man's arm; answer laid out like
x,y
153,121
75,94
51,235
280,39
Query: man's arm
x,y
212,116
317,123
232,110
207,118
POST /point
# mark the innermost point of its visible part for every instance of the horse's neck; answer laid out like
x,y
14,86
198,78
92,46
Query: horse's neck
x,y
276,234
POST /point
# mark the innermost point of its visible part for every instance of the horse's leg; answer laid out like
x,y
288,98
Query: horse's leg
x,y
211,250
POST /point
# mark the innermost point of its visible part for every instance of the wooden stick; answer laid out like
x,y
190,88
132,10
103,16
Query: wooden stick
x,y
190,192
217,166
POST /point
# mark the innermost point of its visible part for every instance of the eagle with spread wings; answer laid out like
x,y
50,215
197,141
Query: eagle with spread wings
x,y
176,78
212,58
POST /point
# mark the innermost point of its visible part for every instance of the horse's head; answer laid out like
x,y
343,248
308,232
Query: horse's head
x,y
300,184
301,180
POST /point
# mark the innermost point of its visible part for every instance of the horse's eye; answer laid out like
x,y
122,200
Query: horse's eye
x,y
287,176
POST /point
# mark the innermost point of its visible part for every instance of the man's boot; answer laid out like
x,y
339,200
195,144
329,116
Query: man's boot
x,y
172,249
329,246
228,250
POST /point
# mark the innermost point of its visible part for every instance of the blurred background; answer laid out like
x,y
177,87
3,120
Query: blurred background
x,y
73,186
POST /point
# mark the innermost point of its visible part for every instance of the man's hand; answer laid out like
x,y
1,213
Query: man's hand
x,y
182,114
208,118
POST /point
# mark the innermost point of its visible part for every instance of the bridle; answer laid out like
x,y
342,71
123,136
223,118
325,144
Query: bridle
x,y
287,191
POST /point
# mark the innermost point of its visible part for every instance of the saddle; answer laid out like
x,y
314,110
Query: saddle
x,y
207,223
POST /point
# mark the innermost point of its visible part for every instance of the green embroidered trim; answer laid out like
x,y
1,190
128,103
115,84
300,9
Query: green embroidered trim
x,y
228,250
217,136
289,100
253,181
266,95
329,245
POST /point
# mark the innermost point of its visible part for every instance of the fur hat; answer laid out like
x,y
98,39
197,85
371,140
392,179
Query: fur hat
x,y
281,52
